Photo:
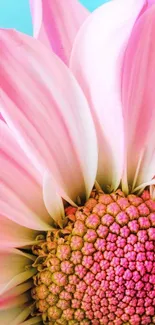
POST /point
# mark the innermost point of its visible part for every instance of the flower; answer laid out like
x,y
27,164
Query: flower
x,y
77,162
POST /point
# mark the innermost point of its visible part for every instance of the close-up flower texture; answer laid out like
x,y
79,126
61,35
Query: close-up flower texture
x,y
77,164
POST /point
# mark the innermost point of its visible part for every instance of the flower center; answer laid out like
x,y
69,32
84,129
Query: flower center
x,y
99,269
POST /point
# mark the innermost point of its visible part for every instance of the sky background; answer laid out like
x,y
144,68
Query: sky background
x,y
16,13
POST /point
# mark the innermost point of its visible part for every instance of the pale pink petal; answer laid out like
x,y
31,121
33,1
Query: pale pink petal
x,y
13,268
36,10
14,301
16,296
38,26
138,98
14,235
150,2
96,62
45,107
1,117
9,317
21,196
57,22
53,201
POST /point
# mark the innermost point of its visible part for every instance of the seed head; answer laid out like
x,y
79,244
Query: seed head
x,y
101,271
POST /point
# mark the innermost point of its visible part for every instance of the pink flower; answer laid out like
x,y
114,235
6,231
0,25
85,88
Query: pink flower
x,y
70,126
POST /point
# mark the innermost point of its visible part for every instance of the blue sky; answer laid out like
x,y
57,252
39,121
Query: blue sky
x,y
16,13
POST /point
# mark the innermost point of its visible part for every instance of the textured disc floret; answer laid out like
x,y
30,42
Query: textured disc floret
x,y
100,268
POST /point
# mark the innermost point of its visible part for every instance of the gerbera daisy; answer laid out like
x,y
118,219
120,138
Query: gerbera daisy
x,y
77,243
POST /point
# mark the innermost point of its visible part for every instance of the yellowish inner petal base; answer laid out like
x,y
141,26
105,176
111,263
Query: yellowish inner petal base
x,y
100,268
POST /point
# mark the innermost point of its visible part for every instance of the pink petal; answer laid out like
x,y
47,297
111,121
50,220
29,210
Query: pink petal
x,y
1,117
21,197
58,21
36,10
151,2
13,301
53,201
13,271
38,26
50,115
16,296
138,98
96,62
14,235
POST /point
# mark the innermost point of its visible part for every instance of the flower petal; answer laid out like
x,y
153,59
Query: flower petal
x,y
34,320
14,235
1,117
53,201
16,296
96,62
50,115
8,317
138,98
21,197
14,301
25,313
152,192
36,11
14,270
151,2
58,21
38,26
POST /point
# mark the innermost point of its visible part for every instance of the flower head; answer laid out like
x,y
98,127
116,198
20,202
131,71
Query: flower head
x,y
78,165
